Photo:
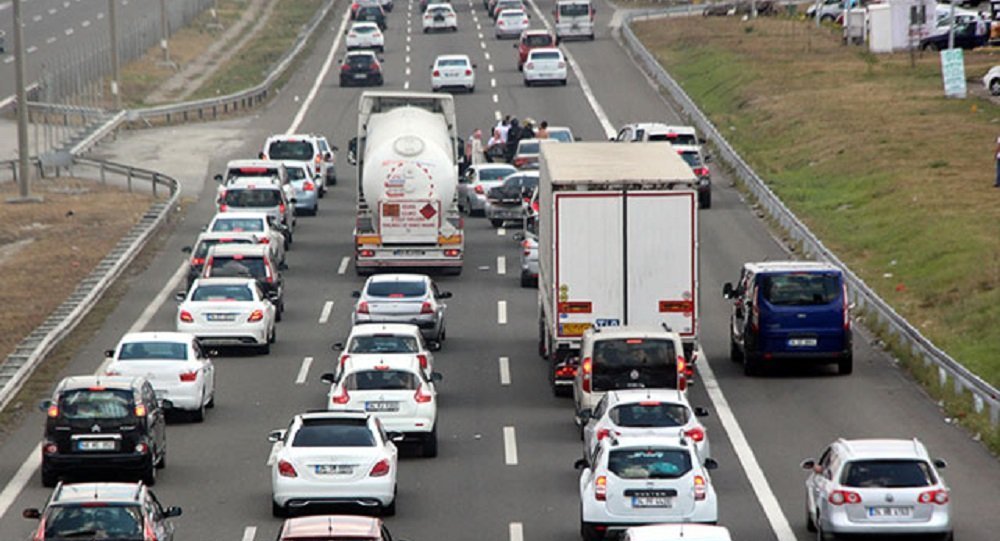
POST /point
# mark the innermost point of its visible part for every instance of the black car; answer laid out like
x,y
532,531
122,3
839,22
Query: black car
x,y
103,424
374,14
361,68
119,511
506,201
970,32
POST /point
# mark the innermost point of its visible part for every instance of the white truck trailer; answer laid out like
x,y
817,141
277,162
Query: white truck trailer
x,y
407,164
618,245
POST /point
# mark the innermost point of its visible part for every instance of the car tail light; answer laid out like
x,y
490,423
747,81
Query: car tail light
x,y
529,65
423,360
308,186
437,73
425,308
501,23
140,410
695,434
264,240
189,376
281,208
376,35
112,373
197,261
285,469
345,67
566,371
755,312
524,21
427,16
421,397
223,207
380,468
468,72
526,246
452,252
256,315
939,497
375,67
681,373
840,497
147,532
701,171
50,449
601,489
363,307
341,398
700,488
141,448
186,317
603,433
479,189
588,370
846,308
518,162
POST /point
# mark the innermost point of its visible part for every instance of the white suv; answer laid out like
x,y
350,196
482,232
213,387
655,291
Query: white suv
x,y
878,487
644,480
307,148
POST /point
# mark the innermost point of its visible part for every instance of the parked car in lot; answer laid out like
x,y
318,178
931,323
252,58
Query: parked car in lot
x,y
477,181
877,487
439,17
227,312
334,528
453,71
403,298
365,35
971,31
361,68
991,81
532,39
545,65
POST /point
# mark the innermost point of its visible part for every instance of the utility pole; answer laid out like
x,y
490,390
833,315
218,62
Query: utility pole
x,y
951,27
115,66
24,167
165,33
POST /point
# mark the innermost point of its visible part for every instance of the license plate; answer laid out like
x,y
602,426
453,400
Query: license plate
x,y
575,26
889,511
96,445
573,329
220,317
802,342
407,252
652,501
381,406
360,76
334,469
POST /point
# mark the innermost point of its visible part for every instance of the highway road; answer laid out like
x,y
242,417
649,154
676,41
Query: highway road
x,y
515,484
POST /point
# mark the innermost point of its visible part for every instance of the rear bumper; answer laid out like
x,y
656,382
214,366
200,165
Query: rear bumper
x,y
365,492
838,523
70,463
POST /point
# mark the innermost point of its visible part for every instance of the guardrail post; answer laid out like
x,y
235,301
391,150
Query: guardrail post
x,y
104,179
995,413
215,112
13,170
156,178
129,176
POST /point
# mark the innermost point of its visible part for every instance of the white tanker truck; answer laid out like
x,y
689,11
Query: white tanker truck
x,y
407,162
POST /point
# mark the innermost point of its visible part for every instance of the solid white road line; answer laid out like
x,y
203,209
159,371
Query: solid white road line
x,y
249,533
516,531
504,371
502,312
324,316
344,262
501,264
304,371
20,479
509,446
300,116
501,231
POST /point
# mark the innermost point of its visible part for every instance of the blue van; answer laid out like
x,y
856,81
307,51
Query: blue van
x,y
789,310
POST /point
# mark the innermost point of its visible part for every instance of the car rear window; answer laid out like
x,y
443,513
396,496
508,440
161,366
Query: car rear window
x,y
887,474
538,41
674,138
396,289
201,250
270,172
296,173
94,520
563,136
290,150
238,266
649,463
140,351
381,380
383,344
574,10
255,198
801,289
691,158
546,55
95,403
239,224
527,148
364,29
452,63
495,173
334,433
222,293
634,363
359,61
510,14
650,414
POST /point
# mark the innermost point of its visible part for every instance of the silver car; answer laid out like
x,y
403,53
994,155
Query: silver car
x,y
307,189
877,487
403,298
476,184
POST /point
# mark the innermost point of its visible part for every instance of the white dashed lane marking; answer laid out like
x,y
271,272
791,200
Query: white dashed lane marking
x,y
501,231
509,446
504,371
516,531
344,262
501,264
300,379
324,316
502,312
493,83
249,533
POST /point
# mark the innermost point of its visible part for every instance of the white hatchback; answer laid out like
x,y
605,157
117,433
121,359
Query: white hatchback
x,y
453,71
384,340
365,35
510,23
227,312
179,370
440,17
545,65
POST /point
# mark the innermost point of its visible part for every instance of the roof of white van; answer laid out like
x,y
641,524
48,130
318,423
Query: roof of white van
x,y
602,163
679,532
790,266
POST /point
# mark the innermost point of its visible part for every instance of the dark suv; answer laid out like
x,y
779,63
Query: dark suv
x,y
103,424
113,511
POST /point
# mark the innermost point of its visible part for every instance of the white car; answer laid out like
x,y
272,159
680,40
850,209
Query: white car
x,y
453,71
545,65
337,457
227,312
477,182
644,412
262,171
306,147
257,195
510,23
403,298
677,532
258,223
644,480
393,388
179,370
991,81
365,35
440,17
387,340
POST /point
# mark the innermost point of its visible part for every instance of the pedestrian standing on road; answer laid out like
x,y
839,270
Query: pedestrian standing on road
x,y
504,127
495,146
528,129
474,148
996,156
543,130
513,137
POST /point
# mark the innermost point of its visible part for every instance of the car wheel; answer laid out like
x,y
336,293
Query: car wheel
x,y
426,30
846,365
827,18
820,534
278,511
273,337
443,335
705,200
591,37
472,89
315,210
162,463
995,86
429,447
454,29
525,280
211,401
49,478
390,510
589,532
264,349
496,223
520,66
751,364
527,82
198,415
735,353
563,82
810,525
149,477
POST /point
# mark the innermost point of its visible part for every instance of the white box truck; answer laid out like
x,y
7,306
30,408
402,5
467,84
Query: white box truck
x,y
406,154
618,245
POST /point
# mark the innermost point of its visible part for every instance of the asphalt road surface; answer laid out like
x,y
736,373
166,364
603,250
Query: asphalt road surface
x,y
483,483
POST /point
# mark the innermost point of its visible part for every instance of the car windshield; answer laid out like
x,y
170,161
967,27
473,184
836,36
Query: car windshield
x,y
386,343
238,266
238,224
801,289
381,380
201,250
634,363
887,474
527,148
396,289
649,463
140,351
563,136
538,41
290,150
651,414
452,63
574,10
495,173
253,198
334,433
95,403
94,520
296,173
233,292
675,138
546,55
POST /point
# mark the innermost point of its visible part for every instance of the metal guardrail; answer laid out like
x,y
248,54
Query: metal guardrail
x,y
984,395
19,365
98,134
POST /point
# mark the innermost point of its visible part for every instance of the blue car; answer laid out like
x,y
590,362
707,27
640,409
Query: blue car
x,y
306,187
793,310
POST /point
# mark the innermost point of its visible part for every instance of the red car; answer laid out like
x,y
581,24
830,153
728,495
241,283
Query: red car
x,y
532,39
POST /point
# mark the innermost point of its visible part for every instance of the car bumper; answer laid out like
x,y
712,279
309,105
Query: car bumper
x,y
412,428
452,82
509,32
244,335
440,25
496,212
366,492
78,463
189,396
558,75
366,78
839,523
572,31
705,512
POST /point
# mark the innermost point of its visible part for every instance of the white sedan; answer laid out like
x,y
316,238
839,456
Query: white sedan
x,y
179,370
440,17
545,65
268,230
365,35
510,23
991,81
387,340
453,71
227,312
337,457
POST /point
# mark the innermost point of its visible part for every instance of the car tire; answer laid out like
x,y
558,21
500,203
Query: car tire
x,y
211,401
264,349
162,463
389,510
520,66
820,534
846,365
149,476
525,280
315,210
198,415
751,364
426,30
274,336
49,478
705,200
527,83
472,89
563,82
735,353
591,37
995,86
278,511
454,29
810,525
429,446
496,223
827,19
588,532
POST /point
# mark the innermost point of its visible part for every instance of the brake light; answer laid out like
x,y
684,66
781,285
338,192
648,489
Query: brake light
x,y
479,189
189,376
381,468
468,72
40,533
427,16
840,497
112,373
308,186
53,411
147,532
939,497
696,434
375,67
601,489
437,73
846,308
366,253
529,65
700,488
140,410
186,317
345,67
500,22
452,252
561,64
197,261
518,162
681,373
363,307
223,207
256,315
141,448
343,359
701,171
566,371
603,433
281,208
423,360
425,308
341,398
50,449
264,240
285,469
352,35
588,371
421,397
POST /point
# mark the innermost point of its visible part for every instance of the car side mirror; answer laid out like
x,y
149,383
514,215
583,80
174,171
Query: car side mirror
x,y
808,464
727,290
585,415
186,250
580,464
180,296
172,511
434,345
272,296
444,295
44,405
275,436
436,376
356,294
519,236
328,377
108,353
940,463
337,346
711,464
700,412
31,512
218,178
708,158
395,437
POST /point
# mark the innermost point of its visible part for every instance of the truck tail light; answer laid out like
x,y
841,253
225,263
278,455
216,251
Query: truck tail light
x,y
341,398
421,397
363,307
700,488
601,489
452,252
426,308
189,376
380,469
939,497
695,434
256,315
588,370
840,497
186,317
423,360
366,253
285,469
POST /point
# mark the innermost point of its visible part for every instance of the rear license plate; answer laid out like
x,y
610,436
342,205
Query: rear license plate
x,y
381,406
652,501
334,469
408,252
573,329
96,445
802,342
360,76
883,511
220,317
